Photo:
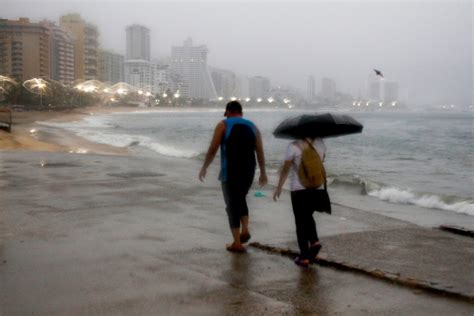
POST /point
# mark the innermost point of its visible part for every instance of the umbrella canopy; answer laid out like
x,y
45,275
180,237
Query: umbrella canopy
x,y
317,125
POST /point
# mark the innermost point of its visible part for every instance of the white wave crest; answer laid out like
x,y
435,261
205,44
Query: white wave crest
x,y
86,122
86,129
124,140
168,150
395,195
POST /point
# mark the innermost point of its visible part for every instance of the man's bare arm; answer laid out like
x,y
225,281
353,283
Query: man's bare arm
x,y
261,159
213,147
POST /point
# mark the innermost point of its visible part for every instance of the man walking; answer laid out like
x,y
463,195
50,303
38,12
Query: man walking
x,y
239,140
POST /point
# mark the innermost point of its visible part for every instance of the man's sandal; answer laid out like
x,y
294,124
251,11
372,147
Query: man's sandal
x,y
234,248
245,238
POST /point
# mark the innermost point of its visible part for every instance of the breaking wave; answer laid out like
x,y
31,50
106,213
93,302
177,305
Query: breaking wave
x,y
83,129
396,195
124,140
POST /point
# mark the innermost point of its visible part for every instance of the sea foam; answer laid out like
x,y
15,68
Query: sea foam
x,y
399,196
87,129
124,140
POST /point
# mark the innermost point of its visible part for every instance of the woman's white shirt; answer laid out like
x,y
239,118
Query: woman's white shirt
x,y
293,154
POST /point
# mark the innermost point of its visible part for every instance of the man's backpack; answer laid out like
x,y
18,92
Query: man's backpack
x,y
240,154
311,172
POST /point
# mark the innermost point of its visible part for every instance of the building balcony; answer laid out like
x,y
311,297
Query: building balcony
x,y
91,42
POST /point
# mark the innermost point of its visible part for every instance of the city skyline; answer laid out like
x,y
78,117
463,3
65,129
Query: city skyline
x,y
417,53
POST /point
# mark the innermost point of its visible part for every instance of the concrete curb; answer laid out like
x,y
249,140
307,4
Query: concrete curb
x,y
375,273
457,230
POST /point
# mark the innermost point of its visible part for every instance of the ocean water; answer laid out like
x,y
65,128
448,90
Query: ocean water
x,y
410,158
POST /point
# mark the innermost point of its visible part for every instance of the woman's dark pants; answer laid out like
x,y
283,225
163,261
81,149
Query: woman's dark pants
x,y
303,208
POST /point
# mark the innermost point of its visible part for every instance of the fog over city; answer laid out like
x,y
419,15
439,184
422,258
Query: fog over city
x,y
425,46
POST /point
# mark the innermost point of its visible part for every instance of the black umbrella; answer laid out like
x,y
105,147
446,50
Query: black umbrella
x,y
317,125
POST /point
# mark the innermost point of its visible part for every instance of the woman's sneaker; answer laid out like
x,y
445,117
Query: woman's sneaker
x,y
314,250
301,262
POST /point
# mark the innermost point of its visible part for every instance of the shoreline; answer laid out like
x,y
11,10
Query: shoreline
x,y
28,135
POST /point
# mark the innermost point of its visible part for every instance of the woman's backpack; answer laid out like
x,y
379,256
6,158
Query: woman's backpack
x,y
311,172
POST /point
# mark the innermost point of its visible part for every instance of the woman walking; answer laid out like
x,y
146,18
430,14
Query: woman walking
x,y
304,159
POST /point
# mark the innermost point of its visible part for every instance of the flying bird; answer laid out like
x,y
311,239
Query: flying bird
x,y
378,73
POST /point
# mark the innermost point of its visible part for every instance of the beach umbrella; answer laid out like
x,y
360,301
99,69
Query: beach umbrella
x,y
37,86
122,88
317,125
6,84
89,86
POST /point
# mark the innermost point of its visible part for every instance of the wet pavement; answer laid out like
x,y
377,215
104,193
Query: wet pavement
x,y
91,234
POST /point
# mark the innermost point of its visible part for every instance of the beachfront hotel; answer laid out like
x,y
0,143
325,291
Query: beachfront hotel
x,y
139,71
146,75
190,63
224,82
110,66
259,87
390,91
62,54
137,42
24,49
86,45
328,89
310,89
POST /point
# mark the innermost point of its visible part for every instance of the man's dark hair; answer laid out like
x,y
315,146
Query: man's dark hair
x,y
233,107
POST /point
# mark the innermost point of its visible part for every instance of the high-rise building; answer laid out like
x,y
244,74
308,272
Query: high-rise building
x,y
146,75
259,87
137,42
390,91
224,82
242,87
375,92
328,89
62,54
163,80
190,63
86,45
24,49
110,66
310,90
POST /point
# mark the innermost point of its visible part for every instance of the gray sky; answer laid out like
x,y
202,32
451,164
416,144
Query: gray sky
x,y
424,45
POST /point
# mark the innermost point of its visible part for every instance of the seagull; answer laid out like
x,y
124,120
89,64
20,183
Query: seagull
x,y
378,73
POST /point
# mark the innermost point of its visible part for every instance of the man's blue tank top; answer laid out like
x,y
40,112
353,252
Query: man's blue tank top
x,y
230,123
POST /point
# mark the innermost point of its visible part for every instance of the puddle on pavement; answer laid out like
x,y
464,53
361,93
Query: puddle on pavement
x,y
58,165
135,174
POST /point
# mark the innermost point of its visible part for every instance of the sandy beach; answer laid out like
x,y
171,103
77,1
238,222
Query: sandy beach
x,y
107,232
27,135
